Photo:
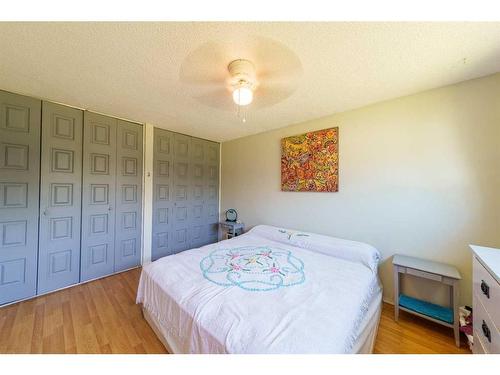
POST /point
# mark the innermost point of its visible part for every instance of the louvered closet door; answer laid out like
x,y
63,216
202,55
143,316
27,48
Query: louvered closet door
x,y
198,231
129,196
181,219
19,195
60,197
98,198
212,189
163,151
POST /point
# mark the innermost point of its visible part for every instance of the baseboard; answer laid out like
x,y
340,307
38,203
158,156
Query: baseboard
x,y
388,301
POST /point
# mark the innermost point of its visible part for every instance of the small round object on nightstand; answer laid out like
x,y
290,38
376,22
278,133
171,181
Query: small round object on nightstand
x,y
231,215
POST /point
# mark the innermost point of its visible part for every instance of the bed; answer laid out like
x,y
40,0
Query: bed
x,y
271,290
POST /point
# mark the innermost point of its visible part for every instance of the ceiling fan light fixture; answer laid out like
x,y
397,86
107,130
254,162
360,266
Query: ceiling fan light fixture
x,y
243,95
242,81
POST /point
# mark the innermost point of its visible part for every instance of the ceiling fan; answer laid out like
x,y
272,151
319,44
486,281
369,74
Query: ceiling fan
x,y
245,74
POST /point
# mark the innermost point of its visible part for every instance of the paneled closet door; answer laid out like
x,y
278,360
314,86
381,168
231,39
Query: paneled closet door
x,y
181,195
129,196
163,177
60,197
19,195
98,198
198,231
212,189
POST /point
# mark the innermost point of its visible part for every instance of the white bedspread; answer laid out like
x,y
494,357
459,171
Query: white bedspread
x,y
307,299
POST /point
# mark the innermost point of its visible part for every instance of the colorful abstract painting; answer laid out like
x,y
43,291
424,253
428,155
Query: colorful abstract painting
x,y
310,161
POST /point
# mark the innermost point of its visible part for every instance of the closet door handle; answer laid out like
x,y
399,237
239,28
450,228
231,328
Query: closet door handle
x,y
46,212
110,208
485,289
486,331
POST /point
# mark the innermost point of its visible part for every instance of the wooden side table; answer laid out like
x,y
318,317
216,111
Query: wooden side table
x,y
441,272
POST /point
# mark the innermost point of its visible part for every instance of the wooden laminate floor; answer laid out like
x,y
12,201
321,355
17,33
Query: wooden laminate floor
x,y
102,317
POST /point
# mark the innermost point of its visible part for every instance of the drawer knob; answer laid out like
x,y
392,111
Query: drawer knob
x,y
486,331
485,289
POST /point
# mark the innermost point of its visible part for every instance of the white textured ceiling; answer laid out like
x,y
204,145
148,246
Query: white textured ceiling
x,y
133,70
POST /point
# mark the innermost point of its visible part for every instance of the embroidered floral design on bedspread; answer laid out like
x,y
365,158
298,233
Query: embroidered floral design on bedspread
x,y
289,234
253,268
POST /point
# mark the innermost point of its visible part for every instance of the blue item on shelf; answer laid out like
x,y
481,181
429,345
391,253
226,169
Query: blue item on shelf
x,y
432,310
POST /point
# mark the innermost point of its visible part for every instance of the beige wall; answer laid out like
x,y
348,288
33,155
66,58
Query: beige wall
x,y
419,175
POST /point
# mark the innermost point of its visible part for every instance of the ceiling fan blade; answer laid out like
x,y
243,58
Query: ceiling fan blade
x,y
203,66
220,99
275,76
268,95
274,60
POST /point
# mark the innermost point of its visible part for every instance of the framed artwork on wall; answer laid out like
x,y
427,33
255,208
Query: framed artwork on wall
x,y
310,161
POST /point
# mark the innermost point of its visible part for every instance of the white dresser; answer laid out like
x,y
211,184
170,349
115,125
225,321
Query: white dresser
x,y
486,299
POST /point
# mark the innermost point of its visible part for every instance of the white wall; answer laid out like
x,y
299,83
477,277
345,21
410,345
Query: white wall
x,y
419,175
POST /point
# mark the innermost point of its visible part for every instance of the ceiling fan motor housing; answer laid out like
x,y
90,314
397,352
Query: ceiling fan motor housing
x,y
242,73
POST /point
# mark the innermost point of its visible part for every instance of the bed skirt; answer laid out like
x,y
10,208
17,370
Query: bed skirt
x,y
367,331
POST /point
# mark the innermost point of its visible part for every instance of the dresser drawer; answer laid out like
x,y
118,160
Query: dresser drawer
x,y
487,290
484,329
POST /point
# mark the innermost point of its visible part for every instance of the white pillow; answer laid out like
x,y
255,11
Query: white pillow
x,y
349,250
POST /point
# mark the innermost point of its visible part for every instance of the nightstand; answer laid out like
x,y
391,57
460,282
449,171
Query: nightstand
x,y
440,272
233,228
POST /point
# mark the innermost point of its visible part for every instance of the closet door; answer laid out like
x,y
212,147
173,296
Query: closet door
x,y
181,196
98,198
60,197
198,231
19,195
212,188
129,196
163,156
